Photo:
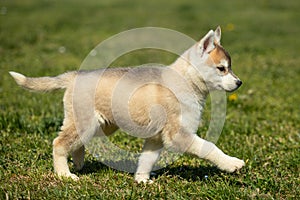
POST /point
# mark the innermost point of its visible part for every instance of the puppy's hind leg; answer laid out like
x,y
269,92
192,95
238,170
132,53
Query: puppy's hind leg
x,y
151,151
67,141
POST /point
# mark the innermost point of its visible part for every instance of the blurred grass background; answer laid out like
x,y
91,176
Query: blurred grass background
x,y
49,37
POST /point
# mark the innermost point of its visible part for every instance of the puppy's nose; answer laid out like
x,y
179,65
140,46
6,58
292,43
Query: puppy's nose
x,y
239,82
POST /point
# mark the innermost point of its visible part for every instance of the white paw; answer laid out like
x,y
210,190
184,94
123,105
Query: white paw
x,y
69,175
231,164
143,178
74,177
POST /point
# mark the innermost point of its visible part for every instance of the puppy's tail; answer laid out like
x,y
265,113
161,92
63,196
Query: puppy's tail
x,y
44,84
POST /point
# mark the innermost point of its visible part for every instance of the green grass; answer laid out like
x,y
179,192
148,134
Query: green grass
x,y
262,124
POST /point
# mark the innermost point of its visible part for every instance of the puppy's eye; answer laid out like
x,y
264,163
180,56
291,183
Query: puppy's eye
x,y
221,69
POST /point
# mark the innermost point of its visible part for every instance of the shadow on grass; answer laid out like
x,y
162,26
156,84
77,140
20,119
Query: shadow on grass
x,y
92,167
96,166
189,173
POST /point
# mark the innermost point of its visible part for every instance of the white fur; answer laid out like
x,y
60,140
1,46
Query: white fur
x,y
20,78
224,63
229,82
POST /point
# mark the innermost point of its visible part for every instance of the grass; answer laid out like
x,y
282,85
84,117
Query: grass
x,y
262,124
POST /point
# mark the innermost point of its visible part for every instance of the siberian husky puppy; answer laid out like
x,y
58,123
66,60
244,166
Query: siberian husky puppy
x,y
161,104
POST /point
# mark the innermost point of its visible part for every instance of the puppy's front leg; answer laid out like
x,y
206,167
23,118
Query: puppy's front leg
x,y
148,158
212,153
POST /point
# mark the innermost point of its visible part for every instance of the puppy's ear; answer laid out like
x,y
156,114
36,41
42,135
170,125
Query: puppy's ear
x,y
206,44
218,35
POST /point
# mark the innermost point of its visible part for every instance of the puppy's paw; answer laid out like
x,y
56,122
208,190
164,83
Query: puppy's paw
x,y
69,175
143,178
231,164
225,162
74,177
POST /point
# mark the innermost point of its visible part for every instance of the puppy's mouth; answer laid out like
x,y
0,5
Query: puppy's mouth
x,y
232,90
238,83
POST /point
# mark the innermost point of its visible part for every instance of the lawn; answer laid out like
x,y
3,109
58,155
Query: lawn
x,y
40,38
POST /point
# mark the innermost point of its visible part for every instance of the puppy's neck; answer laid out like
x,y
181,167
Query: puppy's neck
x,y
184,67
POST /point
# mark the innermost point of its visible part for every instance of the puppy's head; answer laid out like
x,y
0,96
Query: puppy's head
x,y
221,62
215,63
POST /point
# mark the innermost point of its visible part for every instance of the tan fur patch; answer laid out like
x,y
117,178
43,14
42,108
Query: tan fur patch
x,y
219,54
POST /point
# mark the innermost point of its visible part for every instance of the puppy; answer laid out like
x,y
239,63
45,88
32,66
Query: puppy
x,y
163,105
